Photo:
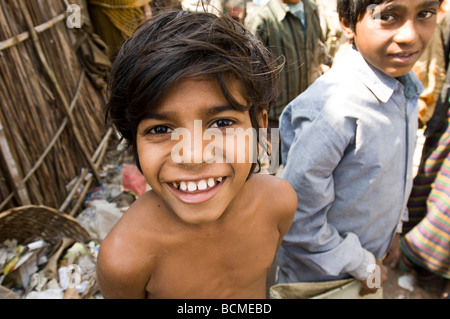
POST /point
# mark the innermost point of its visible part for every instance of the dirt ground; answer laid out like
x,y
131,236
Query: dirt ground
x,y
392,289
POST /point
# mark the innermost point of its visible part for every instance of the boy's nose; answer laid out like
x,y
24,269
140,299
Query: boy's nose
x,y
194,154
192,146
407,33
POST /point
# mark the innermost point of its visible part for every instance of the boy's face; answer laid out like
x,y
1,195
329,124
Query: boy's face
x,y
393,35
182,149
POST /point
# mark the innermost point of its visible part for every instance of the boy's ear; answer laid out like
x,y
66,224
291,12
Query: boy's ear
x,y
263,123
264,119
347,30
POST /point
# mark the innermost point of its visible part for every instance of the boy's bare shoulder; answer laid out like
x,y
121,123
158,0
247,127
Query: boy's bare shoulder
x,y
137,225
271,182
274,192
127,254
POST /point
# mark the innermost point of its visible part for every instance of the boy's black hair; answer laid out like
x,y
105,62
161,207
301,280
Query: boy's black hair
x,y
351,11
175,45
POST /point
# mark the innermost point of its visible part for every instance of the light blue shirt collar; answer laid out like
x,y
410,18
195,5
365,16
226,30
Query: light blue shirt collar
x,y
381,84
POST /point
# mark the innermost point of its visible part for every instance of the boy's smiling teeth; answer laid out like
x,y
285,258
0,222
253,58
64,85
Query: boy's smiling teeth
x,y
191,186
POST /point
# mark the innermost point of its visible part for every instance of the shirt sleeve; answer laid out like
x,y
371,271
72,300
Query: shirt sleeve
x,y
315,149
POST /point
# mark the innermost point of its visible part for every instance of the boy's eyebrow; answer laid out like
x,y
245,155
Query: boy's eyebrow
x,y
431,3
208,111
389,6
218,109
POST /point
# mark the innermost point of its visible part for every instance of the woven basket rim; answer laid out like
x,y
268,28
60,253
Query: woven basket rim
x,y
69,227
27,207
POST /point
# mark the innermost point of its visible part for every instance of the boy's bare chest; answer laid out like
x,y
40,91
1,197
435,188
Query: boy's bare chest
x,y
228,266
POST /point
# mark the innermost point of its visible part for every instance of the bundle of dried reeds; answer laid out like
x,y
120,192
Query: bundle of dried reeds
x,y
51,123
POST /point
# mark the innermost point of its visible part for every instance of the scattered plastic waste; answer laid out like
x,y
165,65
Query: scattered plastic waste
x,y
407,282
26,270
99,217
38,270
133,180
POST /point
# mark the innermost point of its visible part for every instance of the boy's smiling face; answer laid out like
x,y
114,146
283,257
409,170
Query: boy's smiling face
x,y
194,189
393,35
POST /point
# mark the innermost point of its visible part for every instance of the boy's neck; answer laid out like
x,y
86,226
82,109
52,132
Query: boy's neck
x,y
400,78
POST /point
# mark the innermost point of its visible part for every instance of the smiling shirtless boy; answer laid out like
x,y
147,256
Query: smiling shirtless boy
x,y
209,227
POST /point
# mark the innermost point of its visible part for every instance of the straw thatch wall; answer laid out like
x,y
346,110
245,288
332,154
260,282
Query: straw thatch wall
x,y
52,90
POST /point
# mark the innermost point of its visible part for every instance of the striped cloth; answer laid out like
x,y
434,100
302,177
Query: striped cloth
x,y
427,241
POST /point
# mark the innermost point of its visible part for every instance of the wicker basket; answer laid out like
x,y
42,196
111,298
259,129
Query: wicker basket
x,y
28,223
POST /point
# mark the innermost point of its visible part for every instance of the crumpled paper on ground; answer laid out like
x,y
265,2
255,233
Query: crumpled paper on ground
x,y
99,217
68,273
407,282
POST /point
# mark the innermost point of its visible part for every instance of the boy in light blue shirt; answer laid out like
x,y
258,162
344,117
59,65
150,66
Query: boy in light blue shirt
x,y
348,143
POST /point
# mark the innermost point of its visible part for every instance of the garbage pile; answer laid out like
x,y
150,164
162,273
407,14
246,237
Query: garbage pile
x,y
40,270
32,272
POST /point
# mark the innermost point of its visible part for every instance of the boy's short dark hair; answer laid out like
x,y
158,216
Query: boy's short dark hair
x,y
175,45
351,11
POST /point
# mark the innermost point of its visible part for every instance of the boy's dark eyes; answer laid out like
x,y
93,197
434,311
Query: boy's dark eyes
x,y
222,123
389,15
163,129
160,129
386,17
427,14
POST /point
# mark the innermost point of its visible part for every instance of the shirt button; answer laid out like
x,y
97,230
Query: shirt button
x,y
409,93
